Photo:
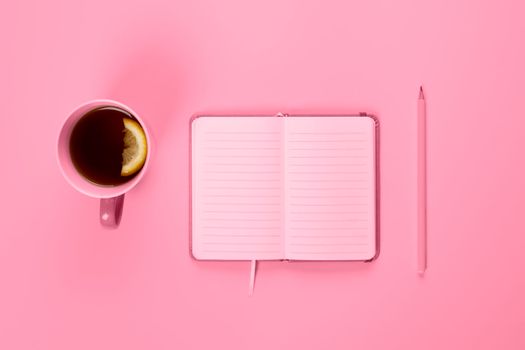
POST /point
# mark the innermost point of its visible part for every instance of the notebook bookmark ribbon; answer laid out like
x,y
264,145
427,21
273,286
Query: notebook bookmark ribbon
x,y
252,276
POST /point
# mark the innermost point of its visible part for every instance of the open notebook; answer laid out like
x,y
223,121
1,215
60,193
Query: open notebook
x,y
290,187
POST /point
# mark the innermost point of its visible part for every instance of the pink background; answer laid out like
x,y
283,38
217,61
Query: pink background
x,y
68,284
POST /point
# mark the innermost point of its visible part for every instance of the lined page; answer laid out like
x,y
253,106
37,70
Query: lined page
x,y
330,188
237,188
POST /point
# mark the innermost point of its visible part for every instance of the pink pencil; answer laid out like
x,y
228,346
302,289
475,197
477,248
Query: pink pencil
x,y
421,184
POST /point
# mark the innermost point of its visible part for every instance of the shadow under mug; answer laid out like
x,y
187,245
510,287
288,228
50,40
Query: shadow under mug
x,y
111,197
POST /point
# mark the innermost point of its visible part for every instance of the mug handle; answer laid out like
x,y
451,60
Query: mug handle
x,y
111,211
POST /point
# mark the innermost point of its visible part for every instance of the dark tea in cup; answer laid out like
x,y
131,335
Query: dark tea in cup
x,y
108,146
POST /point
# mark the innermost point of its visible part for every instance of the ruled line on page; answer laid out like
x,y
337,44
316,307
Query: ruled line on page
x,y
328,220
242,211
347,192
336,244
326,133
242,149
349,156
324,157
326,196
243,164
242,203
327,204
239,235
245,140
321,148
240,251
330,212
242,180
244,132
241,243
337,164
241,219
232,195
331,181
328,189
240,227
240,188
241,172
327,228
328,236
327,172
326,141
346,252
240,156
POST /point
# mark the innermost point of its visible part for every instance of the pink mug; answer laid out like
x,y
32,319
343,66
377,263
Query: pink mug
x,y
111,197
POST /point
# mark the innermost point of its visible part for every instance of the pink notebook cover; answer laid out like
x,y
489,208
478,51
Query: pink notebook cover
x,y
273,188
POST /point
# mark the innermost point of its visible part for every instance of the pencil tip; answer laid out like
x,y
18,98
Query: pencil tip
x,y
421,95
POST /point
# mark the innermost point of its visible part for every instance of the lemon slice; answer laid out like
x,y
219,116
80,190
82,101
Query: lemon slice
x,y
135,148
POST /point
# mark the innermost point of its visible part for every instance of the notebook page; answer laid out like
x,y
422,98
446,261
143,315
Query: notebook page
x,y
330,188
237,202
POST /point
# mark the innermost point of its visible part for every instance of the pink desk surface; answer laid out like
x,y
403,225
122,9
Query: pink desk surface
x,y
68,284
